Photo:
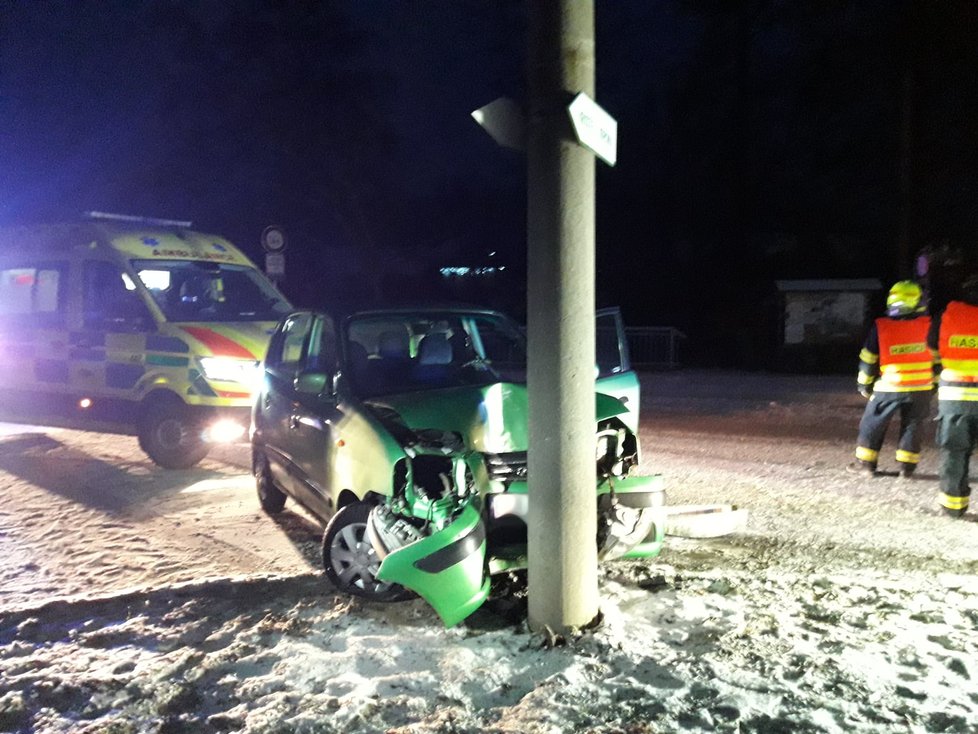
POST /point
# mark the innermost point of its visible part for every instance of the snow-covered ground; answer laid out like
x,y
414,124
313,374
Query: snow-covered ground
x,y
138,600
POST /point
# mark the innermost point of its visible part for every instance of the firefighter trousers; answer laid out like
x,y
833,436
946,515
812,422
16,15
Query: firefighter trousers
x,y
913,407
957,435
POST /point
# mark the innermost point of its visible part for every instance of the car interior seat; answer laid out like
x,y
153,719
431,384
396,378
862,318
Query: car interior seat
x,y
434,358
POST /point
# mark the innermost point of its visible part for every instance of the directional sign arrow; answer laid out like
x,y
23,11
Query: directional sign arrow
x,y
503,120
595,128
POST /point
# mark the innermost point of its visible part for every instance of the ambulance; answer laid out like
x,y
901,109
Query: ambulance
x,y
135,326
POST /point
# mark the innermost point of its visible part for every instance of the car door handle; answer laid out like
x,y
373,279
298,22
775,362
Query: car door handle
x,y
293,421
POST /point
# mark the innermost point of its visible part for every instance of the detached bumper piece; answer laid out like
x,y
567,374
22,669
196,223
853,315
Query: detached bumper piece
x,y
447,568
631,518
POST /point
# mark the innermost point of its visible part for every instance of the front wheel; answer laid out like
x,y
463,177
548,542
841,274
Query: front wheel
x,y
171,436
349,560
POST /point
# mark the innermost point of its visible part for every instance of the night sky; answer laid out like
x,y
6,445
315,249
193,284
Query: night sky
x,y
757,140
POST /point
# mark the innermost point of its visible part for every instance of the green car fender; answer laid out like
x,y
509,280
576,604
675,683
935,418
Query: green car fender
x,y
447,568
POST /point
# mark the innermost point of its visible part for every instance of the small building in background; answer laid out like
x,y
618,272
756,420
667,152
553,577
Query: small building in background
x,y
824,322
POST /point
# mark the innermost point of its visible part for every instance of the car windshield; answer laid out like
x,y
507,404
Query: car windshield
x,y
190,290
403,352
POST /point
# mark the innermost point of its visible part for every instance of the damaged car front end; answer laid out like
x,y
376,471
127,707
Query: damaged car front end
x,y
423,469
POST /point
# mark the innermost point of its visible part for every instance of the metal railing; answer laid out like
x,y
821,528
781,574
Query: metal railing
x,y
654,346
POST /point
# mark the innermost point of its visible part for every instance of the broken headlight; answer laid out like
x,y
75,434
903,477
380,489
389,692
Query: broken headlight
x,y
616,450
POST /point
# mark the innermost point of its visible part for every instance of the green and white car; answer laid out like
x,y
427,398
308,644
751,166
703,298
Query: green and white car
x,y
405,432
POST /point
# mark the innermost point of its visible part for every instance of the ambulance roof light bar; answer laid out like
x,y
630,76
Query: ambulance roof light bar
x,y
138,220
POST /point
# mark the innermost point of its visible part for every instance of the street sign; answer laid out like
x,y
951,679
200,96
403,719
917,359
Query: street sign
x,y
274,264
503,120
273,239
596,130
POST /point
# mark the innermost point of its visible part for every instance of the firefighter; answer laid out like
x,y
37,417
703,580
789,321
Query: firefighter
x,y
955,335
896,375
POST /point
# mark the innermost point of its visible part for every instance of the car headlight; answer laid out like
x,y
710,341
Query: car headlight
x,y
229,369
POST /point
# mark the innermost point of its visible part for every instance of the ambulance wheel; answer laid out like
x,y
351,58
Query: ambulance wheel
x,y
171,436
349,560
271,498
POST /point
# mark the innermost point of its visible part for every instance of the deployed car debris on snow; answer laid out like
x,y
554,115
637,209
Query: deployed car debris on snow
x,y
406,432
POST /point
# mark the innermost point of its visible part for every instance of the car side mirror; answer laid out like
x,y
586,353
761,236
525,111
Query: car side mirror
x,y
313,383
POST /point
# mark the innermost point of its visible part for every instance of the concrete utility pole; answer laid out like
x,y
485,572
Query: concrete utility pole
x,y
563,585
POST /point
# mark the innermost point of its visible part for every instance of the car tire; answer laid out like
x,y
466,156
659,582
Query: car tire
x,y
349,560
270,497
171,435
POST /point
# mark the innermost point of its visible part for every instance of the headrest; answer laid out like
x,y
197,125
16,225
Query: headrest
x,y
435,349
393,344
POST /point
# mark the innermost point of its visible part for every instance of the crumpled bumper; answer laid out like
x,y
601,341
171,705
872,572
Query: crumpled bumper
x,y
447,568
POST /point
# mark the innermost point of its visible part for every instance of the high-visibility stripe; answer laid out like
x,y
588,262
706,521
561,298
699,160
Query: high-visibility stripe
x,y
868,357
219,344
229,394
949,374
864,454
865,379
951,502
161,360
907,457
950,392
965,365
161,343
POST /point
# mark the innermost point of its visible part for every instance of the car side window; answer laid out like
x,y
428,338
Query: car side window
x,y
610,345
287,352
322,353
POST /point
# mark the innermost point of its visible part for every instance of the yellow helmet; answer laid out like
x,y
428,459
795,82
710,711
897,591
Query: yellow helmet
x,y
905,299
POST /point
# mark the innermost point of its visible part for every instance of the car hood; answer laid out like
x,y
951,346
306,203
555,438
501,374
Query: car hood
x,y
489,418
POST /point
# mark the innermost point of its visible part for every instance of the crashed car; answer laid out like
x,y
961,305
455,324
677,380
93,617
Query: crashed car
x,y
405,432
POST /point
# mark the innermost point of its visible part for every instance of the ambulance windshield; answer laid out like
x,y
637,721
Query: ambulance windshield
x,y
189,290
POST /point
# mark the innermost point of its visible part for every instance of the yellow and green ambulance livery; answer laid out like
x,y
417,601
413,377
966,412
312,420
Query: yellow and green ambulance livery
x,y
133,326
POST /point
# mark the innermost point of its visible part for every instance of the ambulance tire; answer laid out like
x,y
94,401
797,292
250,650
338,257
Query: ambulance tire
x,y
271,498
171,436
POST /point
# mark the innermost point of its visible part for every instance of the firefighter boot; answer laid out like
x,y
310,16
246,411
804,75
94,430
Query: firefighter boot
x,y
862,467
907,469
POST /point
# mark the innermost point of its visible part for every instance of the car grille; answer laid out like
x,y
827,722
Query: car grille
x,y
506,468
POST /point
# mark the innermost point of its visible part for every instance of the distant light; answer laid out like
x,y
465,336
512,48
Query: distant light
x,y
466,272
492,254
85,403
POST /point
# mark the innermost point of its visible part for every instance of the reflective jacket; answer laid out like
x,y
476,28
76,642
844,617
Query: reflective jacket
x,y
896,358
958,345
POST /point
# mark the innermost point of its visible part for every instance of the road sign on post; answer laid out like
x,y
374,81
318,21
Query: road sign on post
x,y
273,240
596,130
503,119
275,265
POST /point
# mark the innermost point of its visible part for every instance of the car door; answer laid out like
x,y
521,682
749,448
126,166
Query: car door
x,y
313,417
273,412
615,374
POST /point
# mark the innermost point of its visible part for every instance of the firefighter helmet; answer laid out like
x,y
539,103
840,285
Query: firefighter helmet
x,y
905,299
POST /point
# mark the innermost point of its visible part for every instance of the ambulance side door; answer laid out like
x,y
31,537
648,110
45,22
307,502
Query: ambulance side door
x,y
108,352
33,332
